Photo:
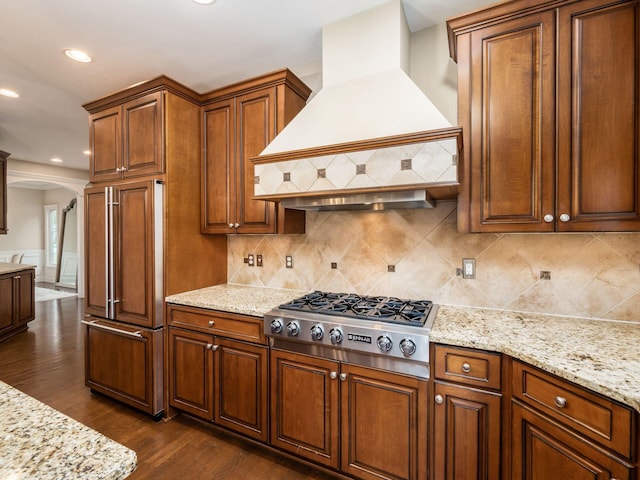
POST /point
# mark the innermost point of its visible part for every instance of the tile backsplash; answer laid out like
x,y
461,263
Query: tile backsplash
x,y
592,275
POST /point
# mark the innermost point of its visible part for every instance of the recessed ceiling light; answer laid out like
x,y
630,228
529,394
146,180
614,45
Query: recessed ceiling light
x,y
87,152
78,55
9,93
205,2
56,160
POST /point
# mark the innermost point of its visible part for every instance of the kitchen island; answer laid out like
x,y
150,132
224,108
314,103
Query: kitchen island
x,y
40,443
600,355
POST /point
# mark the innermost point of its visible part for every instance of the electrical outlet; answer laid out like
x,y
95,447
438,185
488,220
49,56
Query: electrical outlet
x,y
288,261
250,260
469,268
545,275
259,260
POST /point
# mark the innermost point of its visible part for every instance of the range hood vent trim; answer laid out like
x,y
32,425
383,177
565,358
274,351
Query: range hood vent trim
x,y
380,200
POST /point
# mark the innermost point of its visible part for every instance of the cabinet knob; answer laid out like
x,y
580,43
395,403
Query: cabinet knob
x,y
211,323
215,347
209,346
231,225
466,368
560,402
438,399
548,218
118,169
343,377
565,217
236,225
333,375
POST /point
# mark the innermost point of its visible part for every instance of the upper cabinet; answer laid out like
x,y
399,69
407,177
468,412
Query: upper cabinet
x,y
126,140
548,97
3,192
238,123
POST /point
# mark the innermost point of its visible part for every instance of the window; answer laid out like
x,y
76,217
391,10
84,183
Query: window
x,y
51,235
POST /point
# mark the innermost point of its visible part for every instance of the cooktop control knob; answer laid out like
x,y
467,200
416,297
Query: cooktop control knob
x,y
384,343
317,332
276,326
335,334
407,347
293,329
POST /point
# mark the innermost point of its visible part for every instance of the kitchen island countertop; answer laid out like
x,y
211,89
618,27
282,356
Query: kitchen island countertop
x,y
40,443
13,267
601,355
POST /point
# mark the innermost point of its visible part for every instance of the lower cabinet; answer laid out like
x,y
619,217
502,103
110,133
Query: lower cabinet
x,y
17,302
220,380
365,422
467,414
125,362
466,432
544,449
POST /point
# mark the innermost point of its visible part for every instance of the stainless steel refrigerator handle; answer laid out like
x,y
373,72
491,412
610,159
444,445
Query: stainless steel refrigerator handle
x,y
111,269
111,329
107,298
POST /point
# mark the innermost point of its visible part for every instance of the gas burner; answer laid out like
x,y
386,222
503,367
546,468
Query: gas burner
x,y
385,309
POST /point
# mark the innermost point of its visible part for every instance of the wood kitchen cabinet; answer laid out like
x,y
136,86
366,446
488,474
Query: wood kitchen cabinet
x,y
127,140
216,378
367,423
565,431
3,192
548,101
467,414
238,123
17,302
142,233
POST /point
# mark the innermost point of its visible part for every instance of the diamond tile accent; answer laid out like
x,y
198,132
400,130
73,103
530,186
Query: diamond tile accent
x,y
592,275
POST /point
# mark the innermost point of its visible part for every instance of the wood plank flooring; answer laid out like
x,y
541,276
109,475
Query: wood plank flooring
x,y
47,362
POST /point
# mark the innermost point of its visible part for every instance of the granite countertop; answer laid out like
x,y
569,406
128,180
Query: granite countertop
x,y
601,355
244,299
13,267
40,443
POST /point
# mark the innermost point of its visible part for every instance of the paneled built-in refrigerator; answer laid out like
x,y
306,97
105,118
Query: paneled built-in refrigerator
x,y
124,296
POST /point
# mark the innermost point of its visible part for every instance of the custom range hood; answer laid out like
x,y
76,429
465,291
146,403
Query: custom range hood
x,y
370,138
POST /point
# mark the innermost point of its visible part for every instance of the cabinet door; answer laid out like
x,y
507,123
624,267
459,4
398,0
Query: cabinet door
x,y
95,241
304,406
241,400
509,125
543,449
6,303
466,433
142,136
599,116
105,137
384,424
218,168
125,363
3,193
255,128
25,306
191,373
134,254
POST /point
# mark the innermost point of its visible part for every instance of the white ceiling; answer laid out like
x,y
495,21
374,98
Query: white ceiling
x,y
203,47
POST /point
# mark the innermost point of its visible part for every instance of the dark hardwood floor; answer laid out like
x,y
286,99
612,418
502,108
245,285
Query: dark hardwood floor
x,y
47,363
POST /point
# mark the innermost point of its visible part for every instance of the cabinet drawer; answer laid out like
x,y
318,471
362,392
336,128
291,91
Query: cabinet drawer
x,y
240,327
596,417
469,367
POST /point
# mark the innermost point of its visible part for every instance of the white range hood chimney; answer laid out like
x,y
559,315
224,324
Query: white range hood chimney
x,y
370,128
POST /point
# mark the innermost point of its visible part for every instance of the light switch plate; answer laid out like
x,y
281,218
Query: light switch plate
x,y
469,268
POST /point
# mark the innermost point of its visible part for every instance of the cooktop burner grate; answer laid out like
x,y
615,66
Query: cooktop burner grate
x,y
384,309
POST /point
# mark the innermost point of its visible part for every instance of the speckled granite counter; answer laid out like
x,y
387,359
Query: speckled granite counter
x,y
255,301
13,267
38,443
597,354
